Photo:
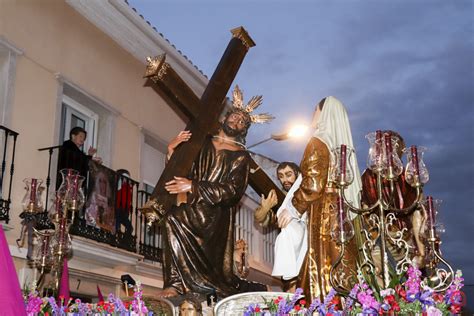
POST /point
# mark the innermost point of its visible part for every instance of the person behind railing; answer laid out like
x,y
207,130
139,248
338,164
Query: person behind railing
x,y
71,155
123,205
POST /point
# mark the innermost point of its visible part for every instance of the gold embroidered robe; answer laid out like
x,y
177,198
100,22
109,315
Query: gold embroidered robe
x,y
319,201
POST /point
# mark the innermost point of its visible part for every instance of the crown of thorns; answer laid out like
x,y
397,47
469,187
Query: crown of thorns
x,y
254,103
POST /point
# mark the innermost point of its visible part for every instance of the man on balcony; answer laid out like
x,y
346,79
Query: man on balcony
x,y
71,155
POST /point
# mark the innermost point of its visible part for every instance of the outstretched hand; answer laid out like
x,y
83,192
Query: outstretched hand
x,y
270,201
266,205
178,185
97,159
182,137
91,151
284,218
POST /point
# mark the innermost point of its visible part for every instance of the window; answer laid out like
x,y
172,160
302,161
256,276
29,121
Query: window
x,y
8,56
79,108
153,158
148,188
75,114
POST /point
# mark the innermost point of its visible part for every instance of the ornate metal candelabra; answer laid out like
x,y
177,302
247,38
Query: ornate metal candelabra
x,y
380,237
32,206
51,246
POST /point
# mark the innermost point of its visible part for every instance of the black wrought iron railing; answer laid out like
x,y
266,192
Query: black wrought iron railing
x,y
110,214
7,136
150,239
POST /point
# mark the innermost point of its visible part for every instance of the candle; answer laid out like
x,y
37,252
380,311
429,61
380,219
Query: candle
x,y
388,149
378,144
414,158
59,210
33,191
62,231
431,211
69,178
342,163
340,207
75,185
45,246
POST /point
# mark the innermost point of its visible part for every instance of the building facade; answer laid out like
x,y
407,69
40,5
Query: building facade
x,y
80,63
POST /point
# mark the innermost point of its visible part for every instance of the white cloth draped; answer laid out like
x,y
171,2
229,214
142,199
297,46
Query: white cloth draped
x,y
333,129
292,242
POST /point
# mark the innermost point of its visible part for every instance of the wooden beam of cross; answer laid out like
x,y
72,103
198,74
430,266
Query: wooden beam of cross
x,y
202,113
262,183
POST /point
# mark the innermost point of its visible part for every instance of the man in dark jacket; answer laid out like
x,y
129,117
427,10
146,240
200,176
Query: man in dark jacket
x,y
71,155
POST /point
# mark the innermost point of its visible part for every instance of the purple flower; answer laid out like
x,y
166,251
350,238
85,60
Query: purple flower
x,y
118,304
368,302
54,306
296,296
329,297
455,287
350,299
137,304
281,307
412,285
426,298
385,306
315,304
252,309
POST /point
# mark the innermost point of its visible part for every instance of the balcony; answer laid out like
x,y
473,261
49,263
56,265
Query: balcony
x,y
8,140
110,214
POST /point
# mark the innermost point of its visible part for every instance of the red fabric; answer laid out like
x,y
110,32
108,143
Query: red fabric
x,y
64,284
124,196
99,294
405,193
11,299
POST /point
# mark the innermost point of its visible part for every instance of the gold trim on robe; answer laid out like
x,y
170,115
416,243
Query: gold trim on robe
x,y
319,201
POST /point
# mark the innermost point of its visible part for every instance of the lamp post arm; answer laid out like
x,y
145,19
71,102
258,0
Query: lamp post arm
x,y
260,142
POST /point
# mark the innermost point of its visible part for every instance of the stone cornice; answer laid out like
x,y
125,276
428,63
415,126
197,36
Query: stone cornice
x,y
125,26
5,44
102,253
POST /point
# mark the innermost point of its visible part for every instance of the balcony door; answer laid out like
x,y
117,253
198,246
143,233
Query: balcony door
x,y
75,114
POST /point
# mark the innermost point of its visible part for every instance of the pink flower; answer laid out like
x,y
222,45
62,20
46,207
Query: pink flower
x,y
412,285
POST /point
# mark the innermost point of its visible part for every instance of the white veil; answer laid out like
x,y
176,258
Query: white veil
x,y
333,129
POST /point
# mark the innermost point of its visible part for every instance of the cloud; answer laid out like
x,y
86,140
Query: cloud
x,y
401,65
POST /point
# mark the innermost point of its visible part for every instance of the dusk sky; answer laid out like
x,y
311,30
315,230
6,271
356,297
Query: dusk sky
x,y
401,65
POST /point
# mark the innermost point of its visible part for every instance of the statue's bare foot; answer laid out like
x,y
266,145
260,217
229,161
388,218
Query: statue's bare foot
x,y
168,292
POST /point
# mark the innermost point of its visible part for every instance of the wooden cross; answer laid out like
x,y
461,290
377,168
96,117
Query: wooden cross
x,y
203,113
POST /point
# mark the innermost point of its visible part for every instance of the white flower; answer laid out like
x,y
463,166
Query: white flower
x,y
433,311
387,292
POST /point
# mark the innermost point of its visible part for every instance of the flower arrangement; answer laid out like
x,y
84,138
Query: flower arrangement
x,y
412,297
38,306
279,306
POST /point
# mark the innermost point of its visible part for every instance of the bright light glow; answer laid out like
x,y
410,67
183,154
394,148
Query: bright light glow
x,y
297,131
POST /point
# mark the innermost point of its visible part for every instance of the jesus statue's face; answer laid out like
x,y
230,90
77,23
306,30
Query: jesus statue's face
x,y
235,124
